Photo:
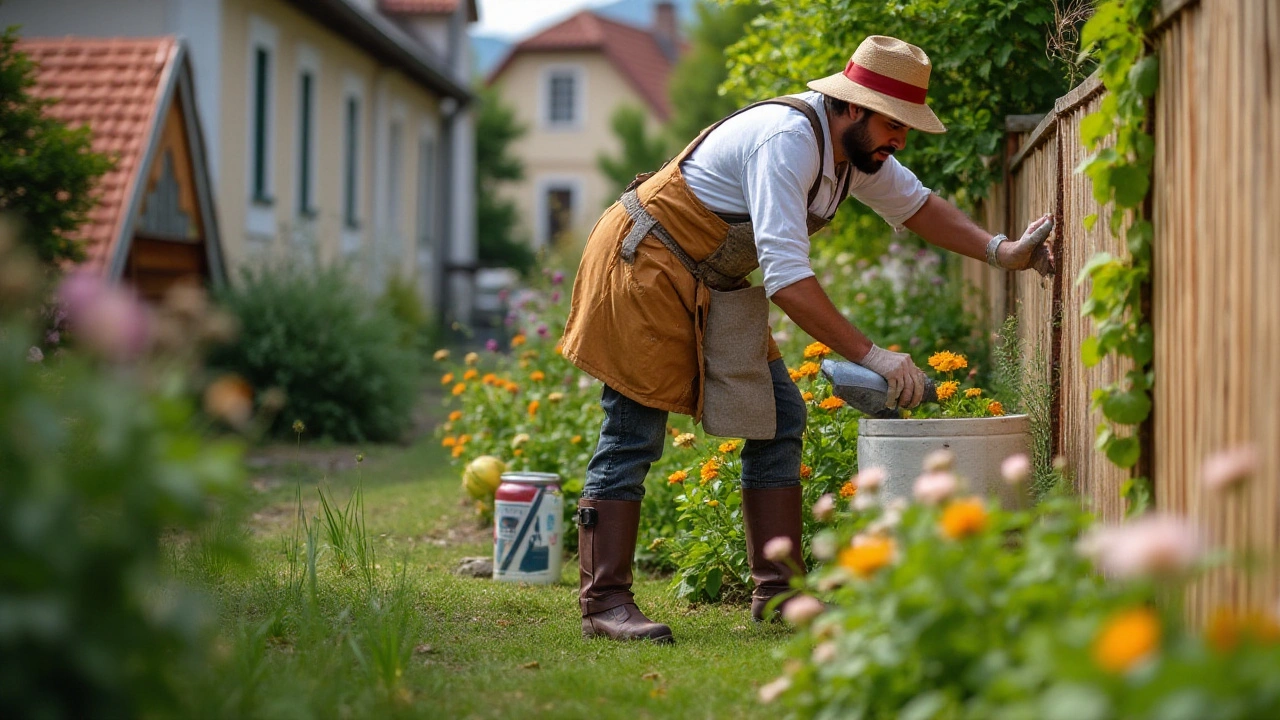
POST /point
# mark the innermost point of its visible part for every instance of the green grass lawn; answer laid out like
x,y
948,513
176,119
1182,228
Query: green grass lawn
x,y
422,642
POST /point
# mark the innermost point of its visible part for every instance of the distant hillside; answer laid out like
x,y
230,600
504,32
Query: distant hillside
x,y
489,50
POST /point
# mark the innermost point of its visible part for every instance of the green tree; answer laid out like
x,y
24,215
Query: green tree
x,y
702,70
641,150
989,61
496,217
46,169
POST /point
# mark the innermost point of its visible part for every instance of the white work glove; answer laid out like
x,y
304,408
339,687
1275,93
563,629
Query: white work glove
x,y
906,381
1030,251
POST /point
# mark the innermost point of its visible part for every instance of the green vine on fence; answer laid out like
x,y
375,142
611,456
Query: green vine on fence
x,y
1120,170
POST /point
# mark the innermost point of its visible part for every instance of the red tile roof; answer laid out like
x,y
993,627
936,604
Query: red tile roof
x,y
114,87
425,7
634,51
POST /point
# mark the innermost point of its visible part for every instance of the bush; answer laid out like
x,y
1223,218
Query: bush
x,y
316,336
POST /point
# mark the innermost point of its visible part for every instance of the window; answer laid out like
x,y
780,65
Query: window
x,y
426,190
261,223
306,144
558,203
261,124
395,167
351,164
563,97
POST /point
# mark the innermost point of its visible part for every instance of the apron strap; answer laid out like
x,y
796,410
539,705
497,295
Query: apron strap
x,y
645,224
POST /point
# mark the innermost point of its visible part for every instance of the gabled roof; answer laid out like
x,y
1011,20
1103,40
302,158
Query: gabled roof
x,y
635,52
427,7
122,89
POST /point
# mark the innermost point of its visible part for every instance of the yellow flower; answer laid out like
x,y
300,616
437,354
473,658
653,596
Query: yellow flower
x,y
533,407
684,440
459,388
471,358
728,446
464,439
559,348
678,476
947,390
446,378
575,439
995,408
831,403
449,441
440,355
848,489
806,396
1227,628
518,452
528,354
867,555
537,376
713,503
809,369
458,450
470,374
1128,638
973,392
517,340
963,518
947,361
710,470
806,472
555,397
455,416
816,350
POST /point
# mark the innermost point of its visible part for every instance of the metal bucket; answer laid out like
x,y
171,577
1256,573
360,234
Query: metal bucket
x,y
528,528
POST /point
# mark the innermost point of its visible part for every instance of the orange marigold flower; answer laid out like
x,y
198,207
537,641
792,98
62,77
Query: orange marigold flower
x,y
867,555
533,407
713,503
449,441
806,396
518,452
806,472
947,361
464,439
795,375
1128,638
458,450
446,378
459,388
455,416
809,369
963,518
575,439
995,408
1227,628
489,379
470,374
517,340
728,446
973,392
537,376
894,348
677,477
947,390
559,348
816,350
831,403
710,470
848,489
512,387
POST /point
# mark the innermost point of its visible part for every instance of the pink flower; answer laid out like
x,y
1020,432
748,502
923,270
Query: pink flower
x,y
771,691
825,509
869,480
107,319
778,549
1016,469
1225,470
491,345
1156,545
824,653
932,488
939,461
35,355
801,610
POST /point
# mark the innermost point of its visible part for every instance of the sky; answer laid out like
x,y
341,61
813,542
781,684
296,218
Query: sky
x,y
513,18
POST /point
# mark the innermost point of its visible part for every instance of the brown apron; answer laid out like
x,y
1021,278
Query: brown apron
x,y
643,291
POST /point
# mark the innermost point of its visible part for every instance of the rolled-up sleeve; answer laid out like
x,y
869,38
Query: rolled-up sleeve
x,y
775,181
894,193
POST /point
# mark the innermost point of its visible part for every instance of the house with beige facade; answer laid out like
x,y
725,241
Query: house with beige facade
x,y
337,131
565,83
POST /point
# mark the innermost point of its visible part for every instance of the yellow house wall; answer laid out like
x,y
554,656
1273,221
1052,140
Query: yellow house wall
x,y
376,248
554,153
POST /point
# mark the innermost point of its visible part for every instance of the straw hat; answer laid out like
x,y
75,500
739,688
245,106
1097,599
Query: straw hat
x,y
888,76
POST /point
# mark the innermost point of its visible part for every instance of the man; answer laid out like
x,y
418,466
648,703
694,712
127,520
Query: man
x,y
667,260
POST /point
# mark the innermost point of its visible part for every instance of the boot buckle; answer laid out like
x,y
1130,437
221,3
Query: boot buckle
x,y
587,516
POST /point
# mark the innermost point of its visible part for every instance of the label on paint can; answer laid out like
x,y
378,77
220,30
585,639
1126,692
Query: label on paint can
x,y
528,528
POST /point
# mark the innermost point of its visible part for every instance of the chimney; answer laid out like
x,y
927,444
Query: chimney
x,y
665,30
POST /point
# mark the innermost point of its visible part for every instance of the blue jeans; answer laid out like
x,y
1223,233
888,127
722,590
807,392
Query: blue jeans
x,y
633,437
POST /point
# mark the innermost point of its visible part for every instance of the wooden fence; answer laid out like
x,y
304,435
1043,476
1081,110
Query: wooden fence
x,y
1215,291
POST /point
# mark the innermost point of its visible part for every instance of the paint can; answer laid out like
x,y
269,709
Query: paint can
x,y
528,528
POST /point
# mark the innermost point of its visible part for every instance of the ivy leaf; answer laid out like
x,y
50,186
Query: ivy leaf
x,y
1131,184
1094,127
1143,348
1124,451
1089,354
1127,408
1089,221
1092,266
1144,76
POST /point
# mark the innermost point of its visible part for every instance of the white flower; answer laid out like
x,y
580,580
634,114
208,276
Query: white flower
x,y
939,461
932,488
519,440
778,549
35,355
1016,469
865,501
1225,470
825,509
684,440
870,479
801,610
771,691
1153,545
824,546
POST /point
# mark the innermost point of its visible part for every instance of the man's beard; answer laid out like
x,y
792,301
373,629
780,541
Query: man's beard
x,y
860,149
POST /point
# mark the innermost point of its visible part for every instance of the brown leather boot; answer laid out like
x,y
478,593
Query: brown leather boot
x,y
767,514
606,543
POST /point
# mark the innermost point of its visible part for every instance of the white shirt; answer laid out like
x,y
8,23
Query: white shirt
x,y
763,162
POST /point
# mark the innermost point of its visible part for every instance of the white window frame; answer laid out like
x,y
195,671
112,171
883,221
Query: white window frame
x,y
309,62
579,74
353,88
427,205
393,215
261,216
576,186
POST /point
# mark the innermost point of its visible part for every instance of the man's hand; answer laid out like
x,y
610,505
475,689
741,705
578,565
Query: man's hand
x,y
906,381
1031,250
